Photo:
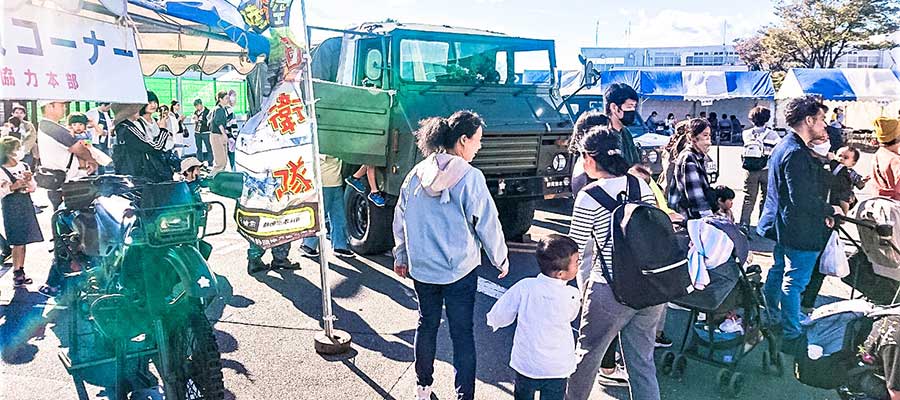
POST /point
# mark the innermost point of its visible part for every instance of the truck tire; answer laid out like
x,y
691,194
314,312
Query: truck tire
x,y
515,217
368,226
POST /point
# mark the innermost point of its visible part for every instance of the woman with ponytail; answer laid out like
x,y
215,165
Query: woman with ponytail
x,y
444,218
602,316
689,192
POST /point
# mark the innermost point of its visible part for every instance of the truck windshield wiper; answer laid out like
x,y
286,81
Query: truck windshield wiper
x,y
478,85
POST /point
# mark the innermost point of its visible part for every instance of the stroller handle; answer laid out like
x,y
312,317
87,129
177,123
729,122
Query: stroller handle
x,y
885,231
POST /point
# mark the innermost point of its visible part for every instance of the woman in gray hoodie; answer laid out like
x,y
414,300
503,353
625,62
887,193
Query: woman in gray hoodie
x,y
444,217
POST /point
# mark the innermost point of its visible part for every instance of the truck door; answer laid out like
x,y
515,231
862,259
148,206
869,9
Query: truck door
x,y
353,122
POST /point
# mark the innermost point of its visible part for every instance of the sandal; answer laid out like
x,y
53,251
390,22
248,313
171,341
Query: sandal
x,y
19,278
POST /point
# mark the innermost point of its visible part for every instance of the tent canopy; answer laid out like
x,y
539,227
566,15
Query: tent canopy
x,y
693,85
180,34
863,84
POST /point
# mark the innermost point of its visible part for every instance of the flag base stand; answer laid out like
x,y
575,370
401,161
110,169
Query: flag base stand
x,y
339,342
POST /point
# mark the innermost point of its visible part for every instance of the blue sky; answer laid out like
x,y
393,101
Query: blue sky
x,y
653,22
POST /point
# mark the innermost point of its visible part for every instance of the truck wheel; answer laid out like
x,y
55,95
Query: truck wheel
x,y
368,226
515,217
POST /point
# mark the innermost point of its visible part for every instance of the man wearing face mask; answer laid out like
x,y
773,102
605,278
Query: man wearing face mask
x,y
796,215
621,102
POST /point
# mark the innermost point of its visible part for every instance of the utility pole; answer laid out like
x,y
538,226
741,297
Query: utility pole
x,y
597,34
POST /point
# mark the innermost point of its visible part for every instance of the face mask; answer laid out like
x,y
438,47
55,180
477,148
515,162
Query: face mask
x,y
232,99
19,155
628,117
822,148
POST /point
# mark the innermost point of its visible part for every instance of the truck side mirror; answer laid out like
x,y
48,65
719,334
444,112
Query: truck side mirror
x,y
374,64
591,75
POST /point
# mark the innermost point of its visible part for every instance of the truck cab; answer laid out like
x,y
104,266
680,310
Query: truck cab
x,y
376,82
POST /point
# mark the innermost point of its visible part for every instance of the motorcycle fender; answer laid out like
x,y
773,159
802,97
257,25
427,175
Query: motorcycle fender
x,y
195,274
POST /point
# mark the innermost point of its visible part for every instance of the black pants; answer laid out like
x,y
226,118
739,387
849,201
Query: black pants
x,y
550,389
808,298
56,198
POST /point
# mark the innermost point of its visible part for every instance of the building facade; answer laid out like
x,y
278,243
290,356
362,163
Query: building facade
x,y
705,57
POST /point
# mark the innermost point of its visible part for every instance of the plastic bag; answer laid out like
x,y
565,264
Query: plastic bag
x,y
834,260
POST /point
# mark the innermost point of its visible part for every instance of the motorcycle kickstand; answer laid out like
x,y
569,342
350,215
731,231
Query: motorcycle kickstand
x,y
121,356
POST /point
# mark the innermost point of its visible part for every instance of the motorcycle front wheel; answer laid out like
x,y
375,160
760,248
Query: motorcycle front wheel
x,y
193,360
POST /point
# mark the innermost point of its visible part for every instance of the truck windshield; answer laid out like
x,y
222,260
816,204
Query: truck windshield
x,y
471,62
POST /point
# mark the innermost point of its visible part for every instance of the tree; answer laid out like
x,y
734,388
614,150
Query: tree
x,y
816,33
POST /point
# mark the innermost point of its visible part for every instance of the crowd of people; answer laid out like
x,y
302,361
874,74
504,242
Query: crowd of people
x,y
145,141
801,184
726,126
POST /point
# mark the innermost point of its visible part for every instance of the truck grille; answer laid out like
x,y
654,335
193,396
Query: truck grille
x,y
508,154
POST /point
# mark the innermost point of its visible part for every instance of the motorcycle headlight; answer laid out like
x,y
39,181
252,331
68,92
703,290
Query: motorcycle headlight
x,y
652,156
559,162
173,224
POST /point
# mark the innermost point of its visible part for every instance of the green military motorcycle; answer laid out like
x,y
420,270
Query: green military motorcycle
x,y
136,287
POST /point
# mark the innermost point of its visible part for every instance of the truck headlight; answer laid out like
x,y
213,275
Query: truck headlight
x,y
559,162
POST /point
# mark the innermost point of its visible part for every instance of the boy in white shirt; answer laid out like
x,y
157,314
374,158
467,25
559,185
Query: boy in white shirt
x,y
543,352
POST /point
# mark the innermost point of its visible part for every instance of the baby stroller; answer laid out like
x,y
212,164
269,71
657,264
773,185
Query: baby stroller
x,y
732,289
874,273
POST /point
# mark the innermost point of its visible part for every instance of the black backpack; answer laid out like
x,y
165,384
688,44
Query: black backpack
x,y
650,264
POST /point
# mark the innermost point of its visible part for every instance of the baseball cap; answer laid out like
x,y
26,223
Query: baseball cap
x,y
42,103
189,163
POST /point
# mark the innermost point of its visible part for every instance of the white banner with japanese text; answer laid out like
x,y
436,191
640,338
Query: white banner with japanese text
x,y
274,150
52,55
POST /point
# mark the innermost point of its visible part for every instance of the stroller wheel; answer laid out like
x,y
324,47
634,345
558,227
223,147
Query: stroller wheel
x,y
723,379
668,362
735,385
679,366
773,364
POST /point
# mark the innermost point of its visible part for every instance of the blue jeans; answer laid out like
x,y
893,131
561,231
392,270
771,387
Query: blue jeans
x,y
785,283
336,217
459,299
550,389
279,253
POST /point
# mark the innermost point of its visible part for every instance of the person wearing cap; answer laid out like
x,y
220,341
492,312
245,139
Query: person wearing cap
x,y
140,143
201,131
190,174
25,131
885,173
78,125
62,153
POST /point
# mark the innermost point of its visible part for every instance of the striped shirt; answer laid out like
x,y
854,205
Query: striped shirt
x,y
588,217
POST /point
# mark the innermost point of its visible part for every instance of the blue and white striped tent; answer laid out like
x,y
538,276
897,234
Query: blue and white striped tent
x,y
863,84
694,85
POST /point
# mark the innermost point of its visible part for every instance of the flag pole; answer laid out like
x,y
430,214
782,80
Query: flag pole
x,y
329,341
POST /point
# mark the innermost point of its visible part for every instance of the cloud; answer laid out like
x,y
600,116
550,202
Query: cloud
x,y
683,28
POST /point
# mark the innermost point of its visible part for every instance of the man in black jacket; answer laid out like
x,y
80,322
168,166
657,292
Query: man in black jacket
x,y
796,215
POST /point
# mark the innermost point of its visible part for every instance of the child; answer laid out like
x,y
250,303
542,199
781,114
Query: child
x,y
725,200
844,178
643,172
19,221
190,172
78,124
543,353
355,182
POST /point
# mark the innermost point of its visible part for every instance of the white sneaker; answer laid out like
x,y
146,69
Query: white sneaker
x,y
423,392
618,375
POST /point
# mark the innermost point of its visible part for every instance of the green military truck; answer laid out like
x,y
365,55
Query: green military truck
x,y
376,82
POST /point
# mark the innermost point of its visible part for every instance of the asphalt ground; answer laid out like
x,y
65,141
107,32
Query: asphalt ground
x,y
265,327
